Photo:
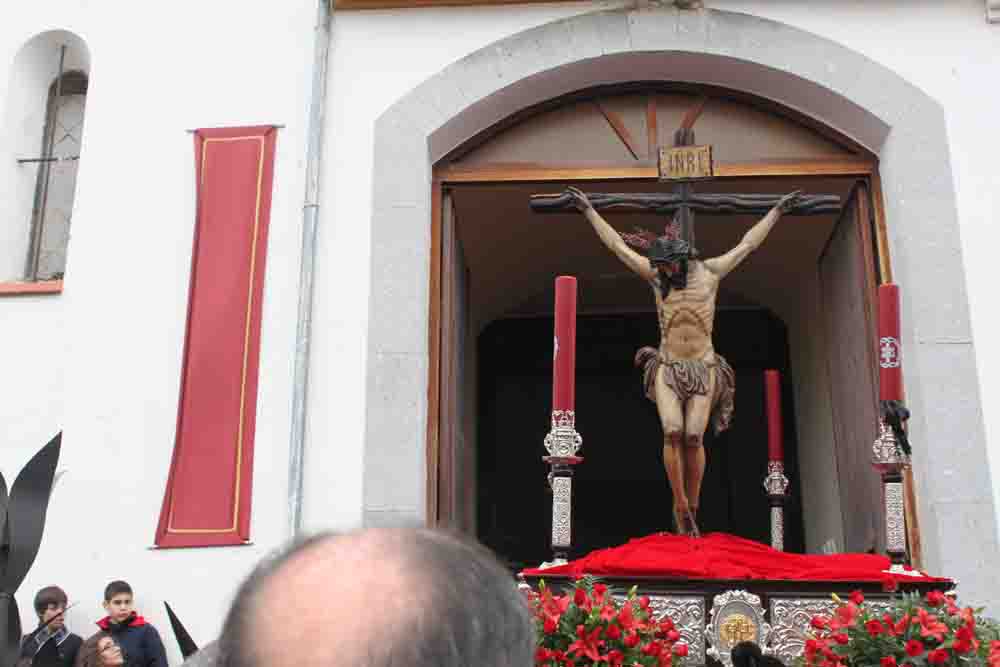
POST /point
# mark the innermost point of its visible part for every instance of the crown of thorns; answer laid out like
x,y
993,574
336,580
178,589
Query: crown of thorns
x,y
648,242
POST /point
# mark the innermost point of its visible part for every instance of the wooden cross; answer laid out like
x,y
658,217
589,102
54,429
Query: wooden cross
x,y
684,202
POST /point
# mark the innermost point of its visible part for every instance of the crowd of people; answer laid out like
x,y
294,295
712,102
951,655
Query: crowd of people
x,y
413,597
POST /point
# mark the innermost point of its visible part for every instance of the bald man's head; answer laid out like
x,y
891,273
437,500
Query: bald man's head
x,y
380,597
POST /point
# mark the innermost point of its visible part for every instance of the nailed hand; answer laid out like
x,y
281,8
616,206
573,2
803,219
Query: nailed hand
x,y
788,202
578,198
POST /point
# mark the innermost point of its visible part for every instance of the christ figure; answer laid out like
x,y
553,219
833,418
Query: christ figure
x,y
685,378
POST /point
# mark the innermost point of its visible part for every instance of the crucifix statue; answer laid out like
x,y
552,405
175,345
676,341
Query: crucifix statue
x,y
689,383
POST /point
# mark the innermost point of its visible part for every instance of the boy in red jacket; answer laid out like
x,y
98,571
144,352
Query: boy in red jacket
x,y
138,639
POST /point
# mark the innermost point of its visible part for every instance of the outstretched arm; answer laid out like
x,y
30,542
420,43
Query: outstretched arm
x,y
611,238
723,264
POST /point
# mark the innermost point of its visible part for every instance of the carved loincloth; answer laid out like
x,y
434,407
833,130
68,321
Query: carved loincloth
x,y
690,377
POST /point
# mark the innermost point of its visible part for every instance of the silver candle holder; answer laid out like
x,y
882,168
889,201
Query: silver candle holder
x,y
776,486
562,443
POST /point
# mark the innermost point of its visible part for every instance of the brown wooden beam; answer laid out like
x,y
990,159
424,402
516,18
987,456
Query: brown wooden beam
x,y
618,125
652,130
513,172
434,358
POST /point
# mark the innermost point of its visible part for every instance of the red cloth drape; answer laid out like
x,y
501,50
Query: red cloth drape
x,y
208,495
722,556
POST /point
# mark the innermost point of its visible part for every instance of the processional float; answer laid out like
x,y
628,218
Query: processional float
x,y
721,590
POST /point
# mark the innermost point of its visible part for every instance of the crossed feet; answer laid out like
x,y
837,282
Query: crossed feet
x,y
684,521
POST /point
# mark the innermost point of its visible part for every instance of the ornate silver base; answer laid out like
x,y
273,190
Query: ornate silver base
x,y
562,443
890,462
776,485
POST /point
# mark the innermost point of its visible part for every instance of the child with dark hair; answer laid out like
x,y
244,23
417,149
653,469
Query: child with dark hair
x,y
51,644
139,640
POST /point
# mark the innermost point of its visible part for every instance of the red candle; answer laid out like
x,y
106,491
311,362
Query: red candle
x,y
890,372
564,353
772,393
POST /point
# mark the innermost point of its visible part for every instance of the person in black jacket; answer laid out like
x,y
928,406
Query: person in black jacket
x,y
51,644
138,639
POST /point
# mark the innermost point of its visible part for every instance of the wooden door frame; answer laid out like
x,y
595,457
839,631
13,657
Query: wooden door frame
x,y
449,176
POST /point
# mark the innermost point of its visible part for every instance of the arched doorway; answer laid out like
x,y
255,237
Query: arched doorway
x,y
498,261
824,80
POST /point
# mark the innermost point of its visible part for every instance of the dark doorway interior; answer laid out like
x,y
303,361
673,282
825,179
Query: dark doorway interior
x,y
620,490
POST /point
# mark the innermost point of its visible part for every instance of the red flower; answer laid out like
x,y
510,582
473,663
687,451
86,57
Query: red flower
x,y
847,614
888,661
673,636
930,626
542,654
874,628
936,598
812,646
608,612
631,640
555,606
841,638
962,646
819,622
625,617
856,597
938,656
901,626
964,633
587,644
666,625
644,602
681,650
615,658
600,589
613,632
652,648
914,648
580,597
550,625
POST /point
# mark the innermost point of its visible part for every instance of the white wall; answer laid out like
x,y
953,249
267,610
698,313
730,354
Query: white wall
x,y
947,49
102,360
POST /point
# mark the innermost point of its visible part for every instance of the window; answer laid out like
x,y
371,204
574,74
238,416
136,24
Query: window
x,y
56,182
40,142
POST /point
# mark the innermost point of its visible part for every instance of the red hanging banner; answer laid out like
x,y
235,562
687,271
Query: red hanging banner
x,y
208,495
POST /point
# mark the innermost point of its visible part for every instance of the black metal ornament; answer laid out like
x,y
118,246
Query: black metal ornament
x,y
22,522
184,640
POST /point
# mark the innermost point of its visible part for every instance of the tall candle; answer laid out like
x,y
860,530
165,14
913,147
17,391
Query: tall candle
x,y
772,393
564,353
890,372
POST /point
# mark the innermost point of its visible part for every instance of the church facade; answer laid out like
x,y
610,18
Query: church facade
x,y
395,325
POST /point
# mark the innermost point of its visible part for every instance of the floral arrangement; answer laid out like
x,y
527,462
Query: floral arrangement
x,y
929,631
587,625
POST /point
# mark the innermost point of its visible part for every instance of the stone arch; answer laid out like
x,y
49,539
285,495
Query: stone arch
x,y
30,88
860,98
